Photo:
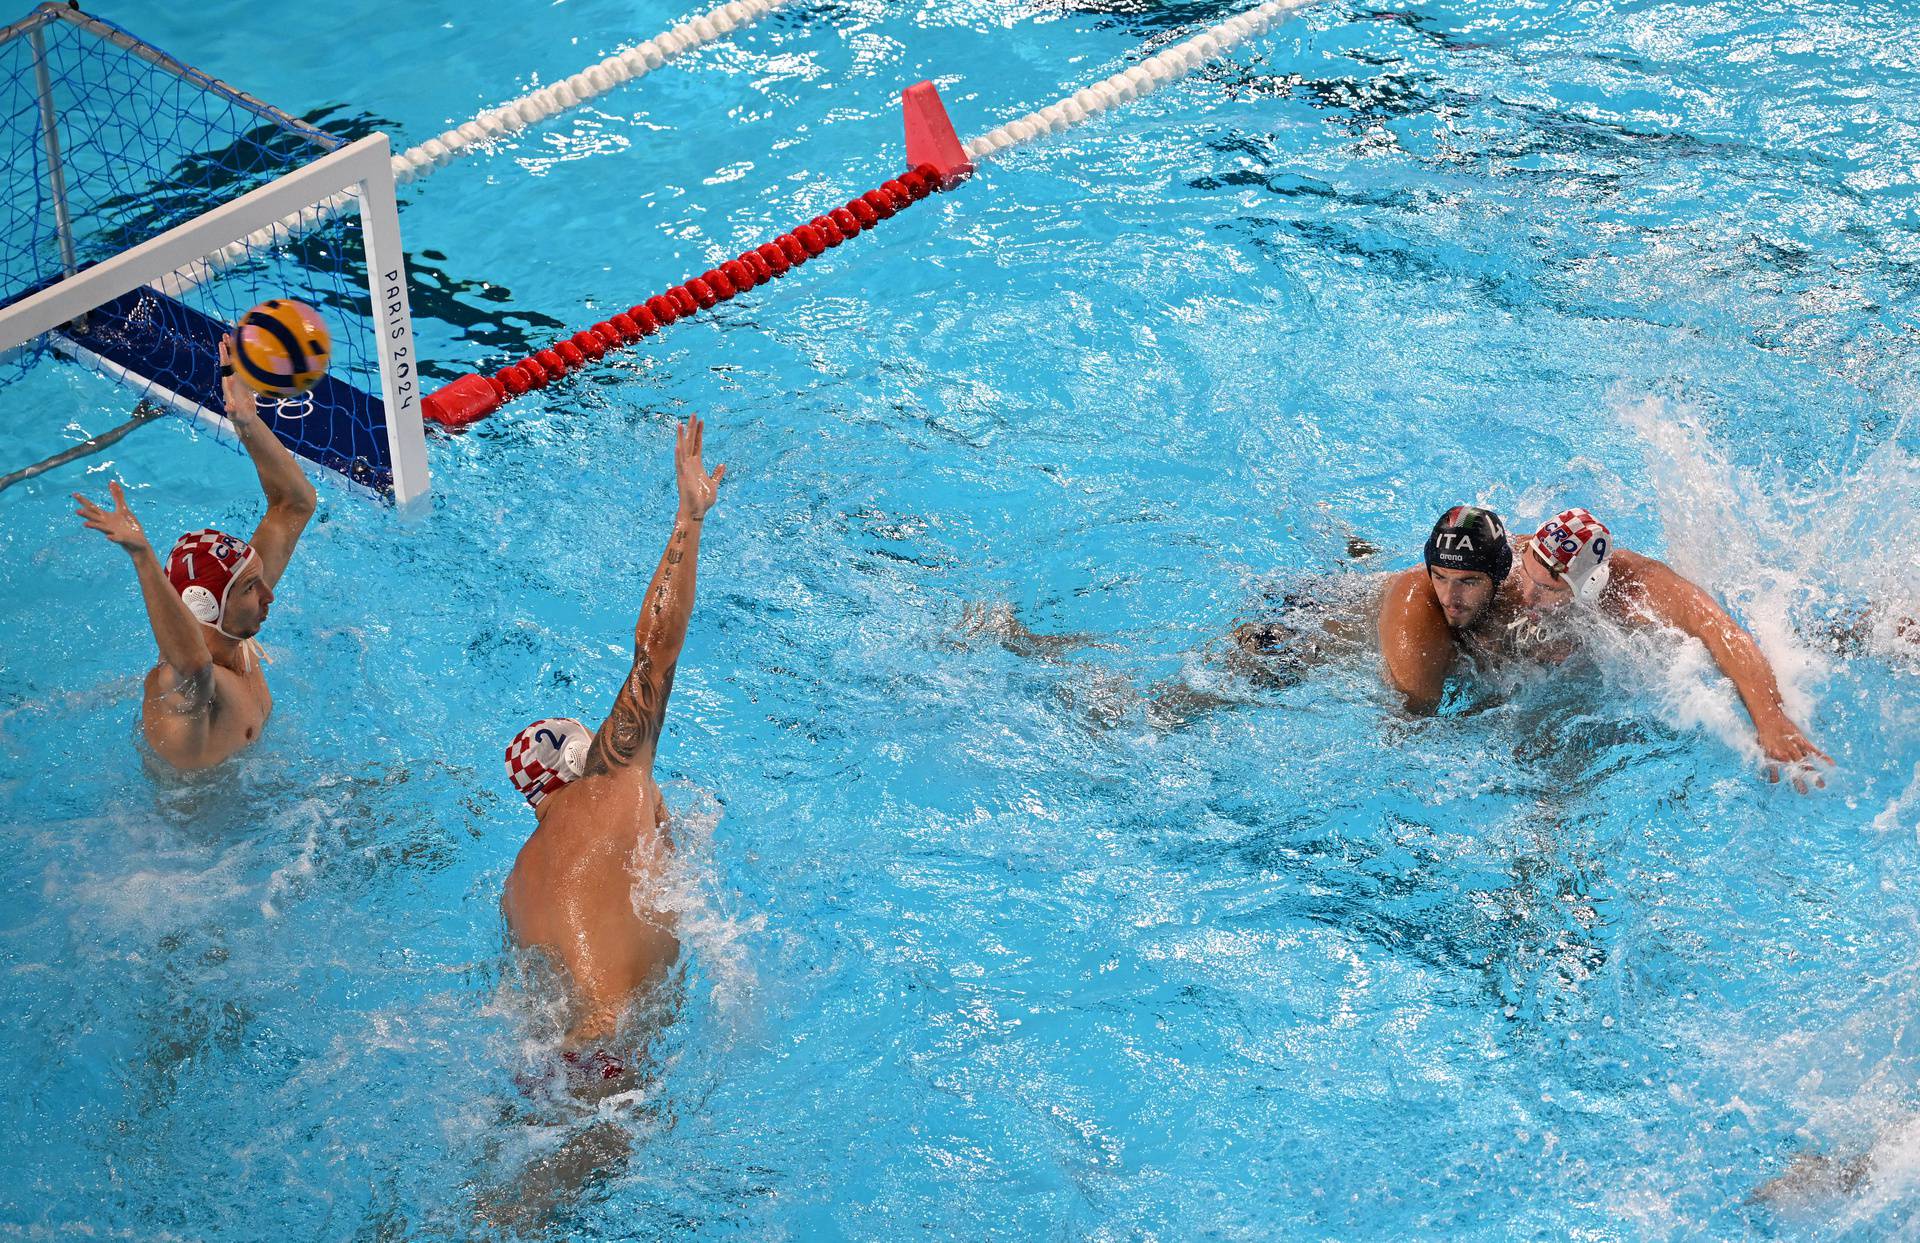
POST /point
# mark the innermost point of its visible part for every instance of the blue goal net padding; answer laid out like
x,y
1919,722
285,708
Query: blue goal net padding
x,y
149,334
107,142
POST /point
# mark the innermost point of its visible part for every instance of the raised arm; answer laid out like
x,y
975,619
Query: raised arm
x,y
1676,602
183,644
632,729
290,496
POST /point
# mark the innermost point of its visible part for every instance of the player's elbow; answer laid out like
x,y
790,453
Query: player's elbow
x,y
1419,700
299,501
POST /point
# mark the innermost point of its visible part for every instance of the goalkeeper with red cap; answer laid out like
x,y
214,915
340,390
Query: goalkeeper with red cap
x,y
207,698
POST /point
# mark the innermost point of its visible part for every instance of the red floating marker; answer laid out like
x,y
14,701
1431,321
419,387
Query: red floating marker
x,y
930,136
938,163
467,400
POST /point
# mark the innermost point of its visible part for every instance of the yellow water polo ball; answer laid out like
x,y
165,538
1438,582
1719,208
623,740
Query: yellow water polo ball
x,y
282,348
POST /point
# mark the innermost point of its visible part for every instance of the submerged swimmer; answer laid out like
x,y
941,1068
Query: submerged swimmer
x,y
207,698
1480,593
601,825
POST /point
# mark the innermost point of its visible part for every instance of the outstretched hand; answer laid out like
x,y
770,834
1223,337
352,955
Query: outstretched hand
x,y
117,524
1788,749
698,489
239,398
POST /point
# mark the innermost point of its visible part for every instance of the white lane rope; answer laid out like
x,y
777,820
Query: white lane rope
x,y
497,123
590,83
1135,81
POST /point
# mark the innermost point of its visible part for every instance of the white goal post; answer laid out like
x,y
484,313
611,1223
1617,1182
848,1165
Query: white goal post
x,y
190,253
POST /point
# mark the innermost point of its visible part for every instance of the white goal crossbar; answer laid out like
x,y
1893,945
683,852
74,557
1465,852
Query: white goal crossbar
x,y
169,261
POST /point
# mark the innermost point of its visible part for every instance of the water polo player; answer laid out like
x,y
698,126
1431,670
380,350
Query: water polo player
x,y
1571,560
1480,593
207,698
1427,611
601,824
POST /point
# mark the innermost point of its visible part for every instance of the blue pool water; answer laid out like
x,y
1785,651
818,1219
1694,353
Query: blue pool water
x,y
982,945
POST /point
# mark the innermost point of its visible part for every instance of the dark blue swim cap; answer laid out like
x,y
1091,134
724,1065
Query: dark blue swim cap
x,y
1470,538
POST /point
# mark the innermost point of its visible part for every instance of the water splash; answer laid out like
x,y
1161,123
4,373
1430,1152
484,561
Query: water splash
x,y
718,935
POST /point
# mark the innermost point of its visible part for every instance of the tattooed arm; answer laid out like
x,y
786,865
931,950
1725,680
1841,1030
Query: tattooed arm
x,y
632,730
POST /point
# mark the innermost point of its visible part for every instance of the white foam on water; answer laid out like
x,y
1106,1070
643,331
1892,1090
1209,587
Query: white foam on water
x,y
290,879
718,936
1902,812
1742,533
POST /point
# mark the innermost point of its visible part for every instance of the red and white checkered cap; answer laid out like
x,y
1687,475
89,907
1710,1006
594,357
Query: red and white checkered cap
x,y
203,566
1576,545
547,755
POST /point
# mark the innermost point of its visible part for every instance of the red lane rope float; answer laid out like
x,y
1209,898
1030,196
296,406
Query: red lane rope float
x,y
473,397
938,163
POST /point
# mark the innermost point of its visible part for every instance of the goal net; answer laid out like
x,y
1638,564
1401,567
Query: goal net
x,y
147,207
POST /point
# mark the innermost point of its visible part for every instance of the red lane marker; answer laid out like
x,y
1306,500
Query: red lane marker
x,y
939,162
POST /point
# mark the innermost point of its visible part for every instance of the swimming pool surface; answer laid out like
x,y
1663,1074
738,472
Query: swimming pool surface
x,y
982,945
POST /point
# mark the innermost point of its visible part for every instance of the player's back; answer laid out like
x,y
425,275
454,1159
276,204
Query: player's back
x,y
583,890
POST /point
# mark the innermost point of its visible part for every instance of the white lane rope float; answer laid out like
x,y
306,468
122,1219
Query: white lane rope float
x,y
936,160
489,127
1135,81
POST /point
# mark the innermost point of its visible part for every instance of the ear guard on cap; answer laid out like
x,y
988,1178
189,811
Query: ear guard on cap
x,y
201,604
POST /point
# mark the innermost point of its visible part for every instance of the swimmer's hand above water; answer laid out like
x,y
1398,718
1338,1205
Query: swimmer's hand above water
x,y
1647,589
1788,750
118,524
240,401
698,489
